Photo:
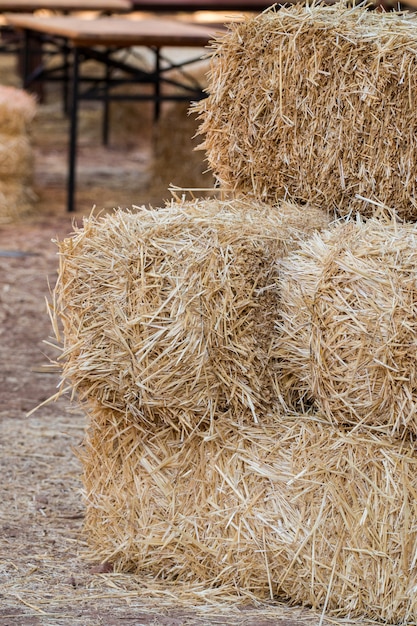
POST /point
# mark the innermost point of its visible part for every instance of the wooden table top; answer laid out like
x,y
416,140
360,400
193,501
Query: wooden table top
x,y
29,6
117,31
201,5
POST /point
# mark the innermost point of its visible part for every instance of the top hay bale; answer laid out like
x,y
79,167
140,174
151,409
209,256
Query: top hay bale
x,y
169,314
17,110
317,104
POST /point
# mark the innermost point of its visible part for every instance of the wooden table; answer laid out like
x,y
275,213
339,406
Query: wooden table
x,y
100,39
116,32
10,42
65,6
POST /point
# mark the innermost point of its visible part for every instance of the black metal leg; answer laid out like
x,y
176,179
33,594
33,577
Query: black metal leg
x,y
30,59
72,156
106,104
65,79
157,87
25,52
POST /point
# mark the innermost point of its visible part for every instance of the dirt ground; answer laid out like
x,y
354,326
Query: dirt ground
x,y
45,577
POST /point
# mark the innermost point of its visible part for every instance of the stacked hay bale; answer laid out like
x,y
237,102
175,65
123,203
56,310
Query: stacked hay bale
x,y
250,381
348,339
17,110
178,323
322,110
206,508
354,551
330,121
175,158
168,319
349,325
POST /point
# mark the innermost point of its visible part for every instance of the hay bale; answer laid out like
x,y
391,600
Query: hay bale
x,y
206,508
17,200
17,111
16,158
175,158
169,314
316,104
348,326
297,510
354,553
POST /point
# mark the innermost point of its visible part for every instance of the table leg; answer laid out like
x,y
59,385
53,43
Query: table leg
x,y
65,78
29,60
157,86
72,156
106,102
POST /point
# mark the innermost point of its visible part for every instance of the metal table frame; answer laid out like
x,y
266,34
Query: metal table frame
x,y
78,86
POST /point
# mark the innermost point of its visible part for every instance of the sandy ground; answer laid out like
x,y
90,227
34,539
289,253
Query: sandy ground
x,y
45,576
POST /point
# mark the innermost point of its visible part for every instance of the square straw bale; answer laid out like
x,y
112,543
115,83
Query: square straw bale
x,y
175,158
298,510
355,552
16,158
316,104
17,200
348,327
168,315
17,110
207,508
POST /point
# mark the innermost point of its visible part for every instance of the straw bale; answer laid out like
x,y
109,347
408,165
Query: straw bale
x,y
169,314
297,510
316,104
16,157
17,110
355,552
175,158
206,508
349,325
17,200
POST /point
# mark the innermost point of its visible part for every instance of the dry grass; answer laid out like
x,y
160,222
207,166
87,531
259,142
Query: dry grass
x,y
348,325
316,104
